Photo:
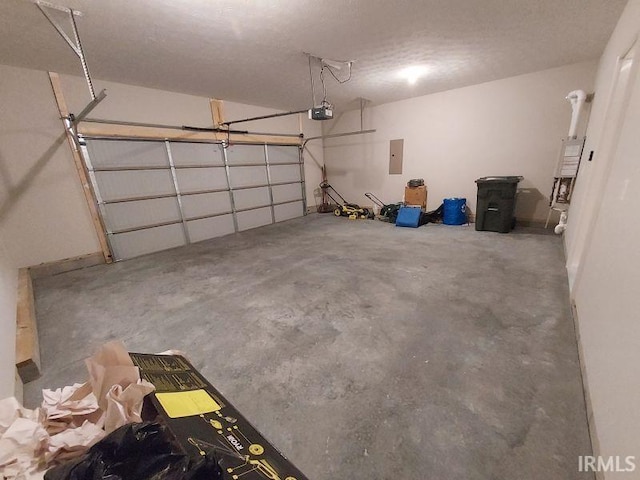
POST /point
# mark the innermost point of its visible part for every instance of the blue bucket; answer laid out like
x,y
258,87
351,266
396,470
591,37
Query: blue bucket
x,y
455,211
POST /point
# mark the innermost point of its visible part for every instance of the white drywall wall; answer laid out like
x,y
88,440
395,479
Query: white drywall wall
x,y
131,103
506,127
8,298
43,216
607,276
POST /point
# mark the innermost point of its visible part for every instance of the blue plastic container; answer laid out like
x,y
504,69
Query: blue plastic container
x,y
455,211
408,217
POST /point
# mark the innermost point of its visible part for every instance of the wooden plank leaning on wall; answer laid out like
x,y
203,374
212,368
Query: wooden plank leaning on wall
x,y
87,189
27,345
217,112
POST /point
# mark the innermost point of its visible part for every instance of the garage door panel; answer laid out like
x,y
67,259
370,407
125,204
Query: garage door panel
x,y
245,154
131,184
286,193
137,180
212,227
189,153
140,242
281,154
127,153
205,204
252,197
288,211
248,176
122,216
201,179
253,218
285,173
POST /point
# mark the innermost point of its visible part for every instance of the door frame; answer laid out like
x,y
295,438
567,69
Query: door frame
x,y
608,142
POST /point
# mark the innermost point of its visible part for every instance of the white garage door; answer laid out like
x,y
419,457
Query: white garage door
x,y
155,195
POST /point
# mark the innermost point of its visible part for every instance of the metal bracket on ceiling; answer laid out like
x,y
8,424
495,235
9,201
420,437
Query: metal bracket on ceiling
x,y
264,117
90,106
70,126
337,135
363,102
75,44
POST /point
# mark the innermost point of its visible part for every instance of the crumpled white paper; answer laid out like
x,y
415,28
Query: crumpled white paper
x,y
71,418
124,405
116,383
77,399
72,442
110,365
10,410
23,440
69,407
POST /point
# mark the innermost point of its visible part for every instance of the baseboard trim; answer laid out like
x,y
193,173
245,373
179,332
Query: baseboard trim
x,y
593,434
522,222
49,269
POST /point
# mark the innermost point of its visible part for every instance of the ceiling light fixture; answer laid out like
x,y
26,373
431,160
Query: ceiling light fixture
x,y
413,73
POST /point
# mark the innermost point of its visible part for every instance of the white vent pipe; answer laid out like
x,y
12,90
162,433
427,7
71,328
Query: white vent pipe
x,y
577,99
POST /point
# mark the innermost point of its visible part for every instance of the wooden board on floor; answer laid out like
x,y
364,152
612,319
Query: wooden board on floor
x,y
27,345
68,264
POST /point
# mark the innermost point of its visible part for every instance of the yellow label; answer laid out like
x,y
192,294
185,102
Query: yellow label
x,y
186,404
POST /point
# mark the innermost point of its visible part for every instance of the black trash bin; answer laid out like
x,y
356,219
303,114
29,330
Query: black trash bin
x,y
495,209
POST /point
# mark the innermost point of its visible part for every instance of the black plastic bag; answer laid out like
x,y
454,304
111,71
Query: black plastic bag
x,y
138,451
434,216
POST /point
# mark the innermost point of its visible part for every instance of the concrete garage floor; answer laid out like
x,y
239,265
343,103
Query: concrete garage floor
x,y
361,350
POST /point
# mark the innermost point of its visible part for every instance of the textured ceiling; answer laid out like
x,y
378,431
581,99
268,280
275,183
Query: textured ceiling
x,y
251,51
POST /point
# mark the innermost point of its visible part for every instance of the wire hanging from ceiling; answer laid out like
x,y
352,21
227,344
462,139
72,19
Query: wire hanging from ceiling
x,y
313,92
330,69
324,88
330,66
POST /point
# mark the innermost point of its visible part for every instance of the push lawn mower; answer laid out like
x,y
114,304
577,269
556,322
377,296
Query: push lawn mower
x,y
388,212
344,208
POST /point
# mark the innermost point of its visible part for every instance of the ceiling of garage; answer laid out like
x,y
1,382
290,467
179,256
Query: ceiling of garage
x,y
251,51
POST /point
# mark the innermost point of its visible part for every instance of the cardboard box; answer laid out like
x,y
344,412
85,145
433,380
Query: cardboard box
x,y
201,420
416,196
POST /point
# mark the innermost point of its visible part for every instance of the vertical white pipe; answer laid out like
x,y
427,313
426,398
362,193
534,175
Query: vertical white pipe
x,y
577,99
